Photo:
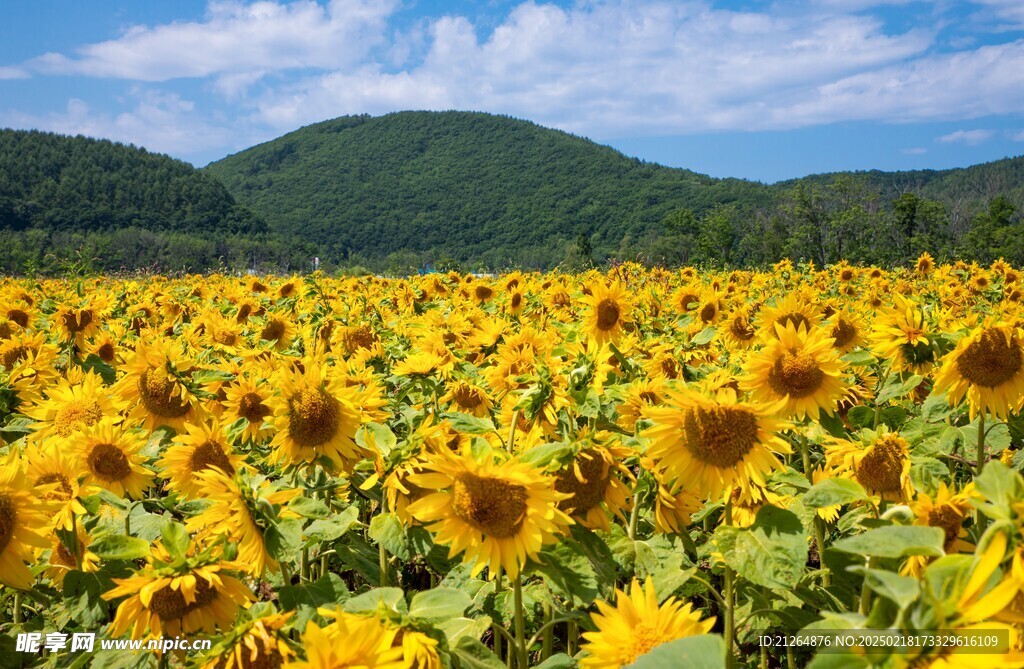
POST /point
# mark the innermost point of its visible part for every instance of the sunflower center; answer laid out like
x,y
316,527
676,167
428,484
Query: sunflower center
x,y
360,337
8,519
649,397
687,302
171,605
62,556
795,374
741,329
225,337
156,390
210,454
267,657
991,360
843,332
13,356
251,408
492,506
796,319
720,436
77,414
109,462
881,468
708,313
607,314
315,417
587,488
483,293
517,299
19,317
6,330
63,490
467,397
949,519
645,637
273,330
106,352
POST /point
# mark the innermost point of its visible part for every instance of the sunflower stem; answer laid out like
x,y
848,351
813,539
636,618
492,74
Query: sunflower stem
x,y
304,565
74,541
979,517
572,638
878,406
517,592
818,525
730,620
497,627
634,516
547,631
382,555
17,607
764,656
512,432
790,658
128,520
865,593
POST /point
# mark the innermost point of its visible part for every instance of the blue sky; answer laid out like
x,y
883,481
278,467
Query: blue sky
x,y
751,89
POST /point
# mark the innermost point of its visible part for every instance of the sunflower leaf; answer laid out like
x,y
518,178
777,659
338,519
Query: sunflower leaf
x,y
119,547
703,651
468,424
387,530
894,541
439,604
834,491
474,655
567,573
771,553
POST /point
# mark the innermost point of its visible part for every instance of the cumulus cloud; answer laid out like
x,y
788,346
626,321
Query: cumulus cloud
x,y
8,72
968,137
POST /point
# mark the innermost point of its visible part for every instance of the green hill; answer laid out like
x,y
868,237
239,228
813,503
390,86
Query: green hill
x,y
476,187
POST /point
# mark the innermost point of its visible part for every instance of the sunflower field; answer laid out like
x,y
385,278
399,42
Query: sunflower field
x,y
632,468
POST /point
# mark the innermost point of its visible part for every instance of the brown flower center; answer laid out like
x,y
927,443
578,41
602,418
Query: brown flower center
x,y
109,462
708,313
881,469
157,392
467,397
492,506
483,293
19,317
948,518
8,519
63,490
843,332
77,414
587,488
13,356
171,605
796,319
210,454
741,329
274,330
314,416
720,436
106,352
795,374
252,408
991,360
607,314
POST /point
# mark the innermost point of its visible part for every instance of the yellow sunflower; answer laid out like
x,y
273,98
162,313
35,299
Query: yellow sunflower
x,y
70,406
201,447
236,506
497,514
947,510
248,399
62,559
314,418
877,459
902,336
636,625
23,518
799,373
609,310
153,386
109,455
796,311
58,472
640,394
467,397
359,642
713,444
987,367
593,481
257,643
168,601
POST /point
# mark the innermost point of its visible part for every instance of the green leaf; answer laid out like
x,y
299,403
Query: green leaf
x,y
704,651
474,655
175,538
377,438
834,491
902,590
559,661
568,574
456,628
468,424
897,386
309,507
1001,487
387,530
94,363
284,539
541,456
705,336
305,598
859,358
936,408
439,604
119,547
329,529
771,553
387,599
82,597
895,541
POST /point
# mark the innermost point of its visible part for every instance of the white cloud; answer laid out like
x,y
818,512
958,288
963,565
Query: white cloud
x,y
8,72
968,137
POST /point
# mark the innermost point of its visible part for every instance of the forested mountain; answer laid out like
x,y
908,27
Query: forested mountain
x,y
476,191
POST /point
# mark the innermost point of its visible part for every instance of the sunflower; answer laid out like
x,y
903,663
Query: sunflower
x,y
362,642
593,482
987,367
796,311
947,510
62,559
739,333
201,447
609,311
673,506
279,330
419,650
846,329
903,336
314,418
497,514
799,373
69,406
255,643
878,459
468,398
23,517
178,600
248,400
236,506
636,625
154,388
58,472
109,455
746,504
640,395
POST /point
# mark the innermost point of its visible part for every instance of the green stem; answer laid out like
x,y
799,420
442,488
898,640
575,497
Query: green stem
x,y
497,627
865,593
764,656
878,406
517,591
981,445
790,658
512,432
817,524
17,607
74,541
634,517
572,638
730,620
547,632
304,565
